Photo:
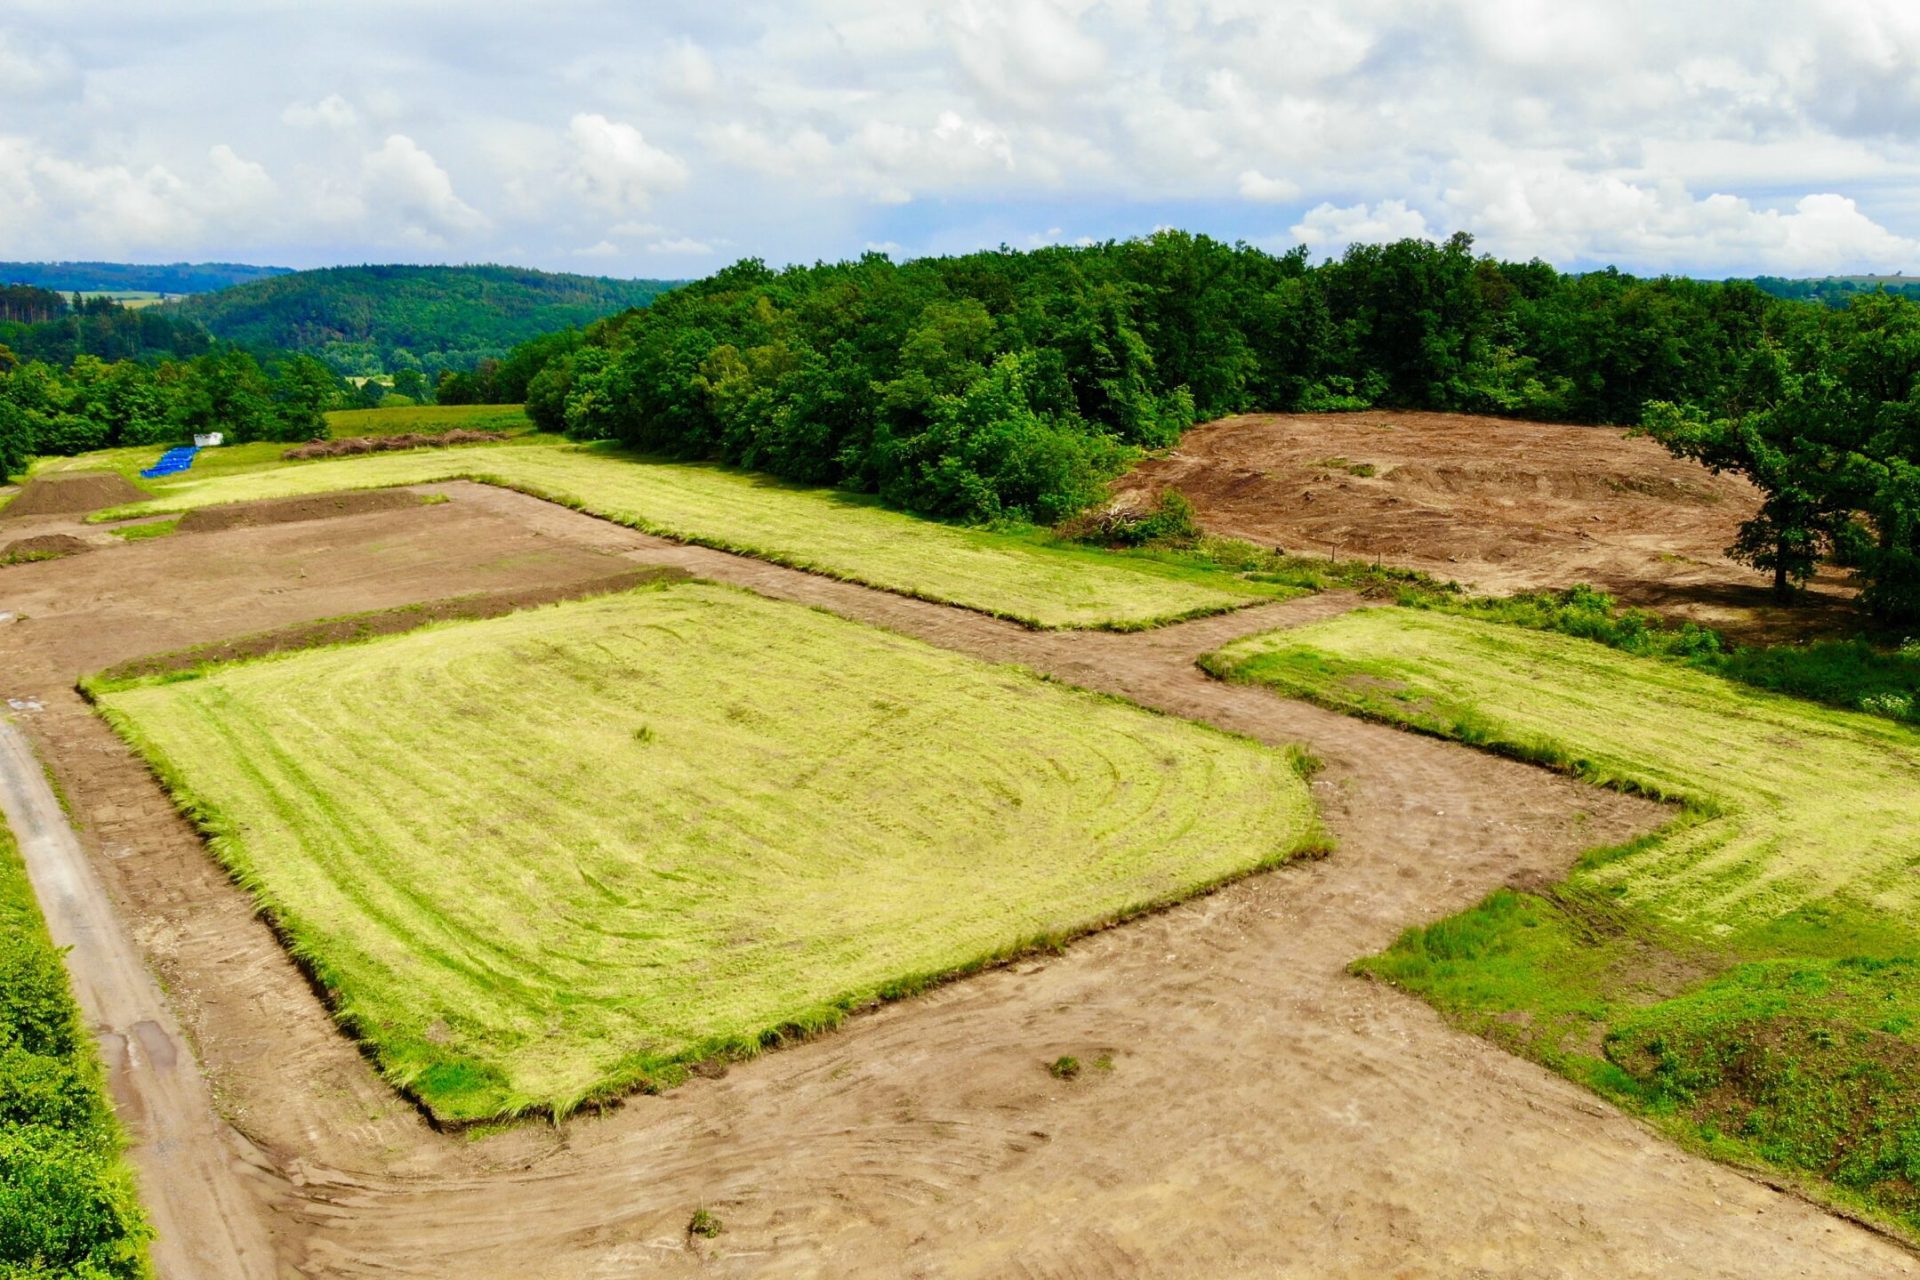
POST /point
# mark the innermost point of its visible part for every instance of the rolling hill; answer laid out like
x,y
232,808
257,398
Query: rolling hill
x,y
373,319
134,277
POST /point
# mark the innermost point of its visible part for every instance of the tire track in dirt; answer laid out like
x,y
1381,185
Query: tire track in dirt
x,y
1264,1113
206,1221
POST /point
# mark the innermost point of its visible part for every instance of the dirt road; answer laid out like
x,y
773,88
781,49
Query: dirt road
x,y
1264,1114
193,1170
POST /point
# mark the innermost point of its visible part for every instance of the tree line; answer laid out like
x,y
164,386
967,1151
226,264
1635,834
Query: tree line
x,y
1011,385
40,324
96,404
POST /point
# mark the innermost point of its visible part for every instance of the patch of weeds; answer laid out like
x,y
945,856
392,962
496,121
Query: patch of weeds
x,y
643,734
142,532
1365,470
1103,1063
704,1225
1064,1067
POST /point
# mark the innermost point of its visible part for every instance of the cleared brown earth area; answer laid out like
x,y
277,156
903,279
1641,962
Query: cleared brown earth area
x,y
322,506
70,495
1495,504
1265,1114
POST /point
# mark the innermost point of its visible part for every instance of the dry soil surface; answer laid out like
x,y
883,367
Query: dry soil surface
x,y
1264,1114
1492,503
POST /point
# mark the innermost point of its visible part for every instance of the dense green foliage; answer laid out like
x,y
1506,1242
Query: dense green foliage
x,y
67,1206
389,319
1013,384
134,277
1823,414
95,405
38,324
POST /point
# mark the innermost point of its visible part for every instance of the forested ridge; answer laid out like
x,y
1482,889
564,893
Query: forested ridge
x,y
42,324
371,320
1014,385
134,277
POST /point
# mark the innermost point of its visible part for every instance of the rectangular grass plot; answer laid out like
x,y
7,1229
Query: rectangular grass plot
x,y
549,857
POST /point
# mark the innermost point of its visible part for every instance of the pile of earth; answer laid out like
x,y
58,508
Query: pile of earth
x,y
324,506
73,494
356,445
50,546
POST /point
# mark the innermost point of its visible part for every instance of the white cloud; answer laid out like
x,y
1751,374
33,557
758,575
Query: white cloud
x,y
31,70
330,112
604,249
416,193
680,245
1563,215
614,166
1330,228
1255,185
1743,136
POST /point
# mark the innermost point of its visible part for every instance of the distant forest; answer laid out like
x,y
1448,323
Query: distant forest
x,y
42,324
391,319
129,277
1008,385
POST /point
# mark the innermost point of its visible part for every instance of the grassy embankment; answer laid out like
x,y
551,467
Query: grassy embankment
x,y
1023,575
1748,974
67,1203
678,823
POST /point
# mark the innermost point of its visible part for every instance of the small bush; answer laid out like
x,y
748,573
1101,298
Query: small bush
x,y
704,1225
1065,1067
1169,522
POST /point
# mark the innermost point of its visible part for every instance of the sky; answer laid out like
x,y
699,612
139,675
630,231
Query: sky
x,y
668,139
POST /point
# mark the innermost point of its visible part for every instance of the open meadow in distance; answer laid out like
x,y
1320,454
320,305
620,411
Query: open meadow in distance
x,y
1749,973
842,535
547,858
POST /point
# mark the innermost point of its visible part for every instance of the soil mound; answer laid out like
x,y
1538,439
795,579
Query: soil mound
x,y
325,506
46,547
73,494
356,445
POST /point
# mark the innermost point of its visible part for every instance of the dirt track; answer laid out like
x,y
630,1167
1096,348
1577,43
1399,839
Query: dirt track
x,y
1265,1115
1493,503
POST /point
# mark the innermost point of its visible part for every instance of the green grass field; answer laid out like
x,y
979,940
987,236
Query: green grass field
x,y
550,857
1747,974
1012,575
428,419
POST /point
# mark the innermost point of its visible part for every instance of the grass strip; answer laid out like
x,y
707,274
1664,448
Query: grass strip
x,y
67,1201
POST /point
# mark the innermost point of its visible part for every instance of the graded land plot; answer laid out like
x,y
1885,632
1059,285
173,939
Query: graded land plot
x,y
842,535
1497,504
548,858
1748,973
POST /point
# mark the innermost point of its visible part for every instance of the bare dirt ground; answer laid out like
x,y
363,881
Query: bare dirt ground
x,y
1265,1113
1494,504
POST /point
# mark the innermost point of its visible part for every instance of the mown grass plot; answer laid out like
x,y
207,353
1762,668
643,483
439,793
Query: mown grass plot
x,y
1746,974
843,535
549,857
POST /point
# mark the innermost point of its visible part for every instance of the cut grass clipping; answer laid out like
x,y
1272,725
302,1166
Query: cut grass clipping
x,y
544,859
843,535
1748,973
